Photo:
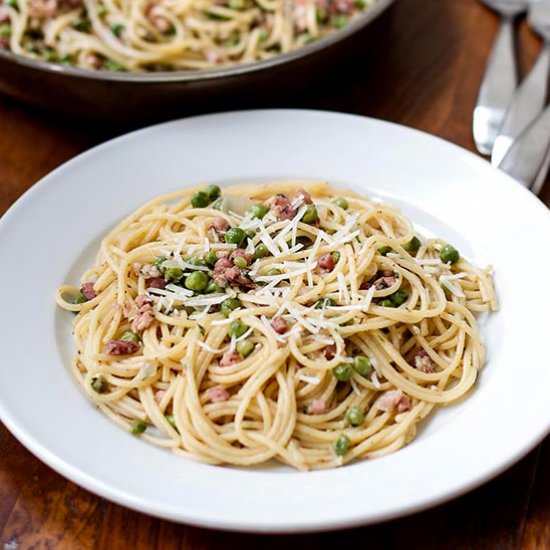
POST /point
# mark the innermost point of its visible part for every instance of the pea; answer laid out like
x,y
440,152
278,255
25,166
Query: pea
x,y
229,305
138,427
259,210
82,24
339,21
250,233
210,258
413,245
342,372
173,274
237,328
360,4
12,3
213,287
117,28
213,192
384,250
235,235
171,420
263,35
198,281
261,251
129,336
113,66
386,302
240,262
323,303
449,254
99,384
355,415
157,262
399,297
341,445
321,15
310,215
342,203
195,260
362,365
5,30
77,299
245,347
335,256
273,271
102,10
200,200
236,4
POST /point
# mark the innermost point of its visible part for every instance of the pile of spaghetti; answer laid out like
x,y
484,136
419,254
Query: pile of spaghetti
x,y
285,320
166,35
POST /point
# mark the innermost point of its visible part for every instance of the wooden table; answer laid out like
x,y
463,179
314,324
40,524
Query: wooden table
x,y
428,79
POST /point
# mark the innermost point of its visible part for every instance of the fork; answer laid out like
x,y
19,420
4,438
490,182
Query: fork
x,y
530,98
500,79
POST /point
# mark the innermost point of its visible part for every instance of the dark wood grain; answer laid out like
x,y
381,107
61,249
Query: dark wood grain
x,y
425,75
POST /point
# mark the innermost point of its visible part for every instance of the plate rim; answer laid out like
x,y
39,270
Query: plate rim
x,y
66,469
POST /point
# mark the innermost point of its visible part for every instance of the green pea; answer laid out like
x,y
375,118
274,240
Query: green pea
x,y
210,258
399,297
200,200
102,10
384,250
310,215
117,28
323,303
355,415
171,420
339,21
342,372
12,3
173,274
245,347
195,260
261,251
263,35
259,210
99,384
227,306
341,445
236,4
335,256
129,336
213,192
5,30
273,271
159,261
413,245
360,4
77,298
241,262
198,281
138,427
321,15
362,365
113,66
213,287
342,203
449,254
250,233
82,24
386,302
235,235
237,328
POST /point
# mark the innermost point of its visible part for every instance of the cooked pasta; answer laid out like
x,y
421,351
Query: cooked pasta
x,y
287,320
167,35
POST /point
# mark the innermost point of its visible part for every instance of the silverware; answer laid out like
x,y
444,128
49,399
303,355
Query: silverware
x,y
528,159
500,79
530,97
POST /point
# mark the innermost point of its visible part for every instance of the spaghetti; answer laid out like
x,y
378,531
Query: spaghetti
x,y
285,321
167,35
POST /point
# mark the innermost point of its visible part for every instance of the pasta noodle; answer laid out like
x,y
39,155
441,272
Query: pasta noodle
x,y
166,35
287,320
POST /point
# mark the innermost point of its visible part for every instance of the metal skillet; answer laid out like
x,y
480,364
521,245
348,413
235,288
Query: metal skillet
x,y
132,97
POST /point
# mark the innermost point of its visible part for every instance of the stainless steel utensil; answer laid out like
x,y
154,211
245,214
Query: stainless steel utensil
x,y
145,97
500,79
530,97
528,159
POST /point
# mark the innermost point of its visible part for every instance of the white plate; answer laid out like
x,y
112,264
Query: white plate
x,y
52,233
